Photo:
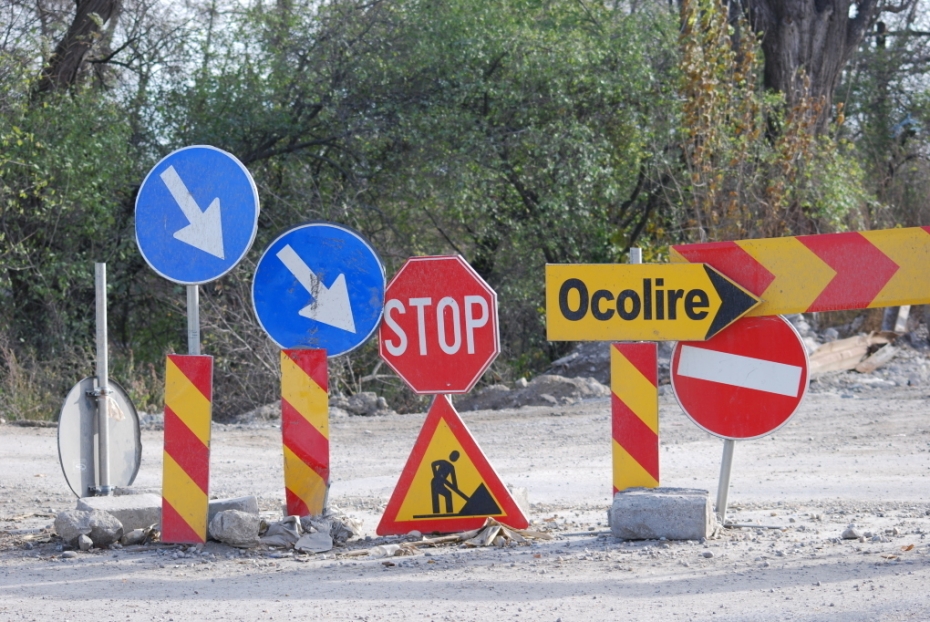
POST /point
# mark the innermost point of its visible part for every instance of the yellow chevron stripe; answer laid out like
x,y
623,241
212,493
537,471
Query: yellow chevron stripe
x,y
304,482
634,389
800,275
675,257
628,473
910,249
185,496
305,395
187,402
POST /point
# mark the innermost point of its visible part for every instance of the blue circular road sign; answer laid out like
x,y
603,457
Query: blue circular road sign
x,y
196,214
319,285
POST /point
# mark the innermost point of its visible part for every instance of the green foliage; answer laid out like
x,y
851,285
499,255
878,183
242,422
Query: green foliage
x,y
512,133
515,133
754,166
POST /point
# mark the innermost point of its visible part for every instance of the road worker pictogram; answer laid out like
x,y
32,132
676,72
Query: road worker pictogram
x,y
447,484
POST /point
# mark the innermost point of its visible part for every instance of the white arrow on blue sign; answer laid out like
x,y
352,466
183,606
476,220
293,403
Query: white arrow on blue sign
x,y
196,214
319,285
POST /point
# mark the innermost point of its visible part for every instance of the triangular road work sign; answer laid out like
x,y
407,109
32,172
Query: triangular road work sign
x,y
447,484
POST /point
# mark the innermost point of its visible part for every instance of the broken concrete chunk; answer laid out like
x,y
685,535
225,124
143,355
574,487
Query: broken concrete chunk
x,y
235,528
103,529
670,513
249,505
851,532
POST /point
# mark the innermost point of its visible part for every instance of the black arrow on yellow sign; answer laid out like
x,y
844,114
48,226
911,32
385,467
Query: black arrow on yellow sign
x,y
640,302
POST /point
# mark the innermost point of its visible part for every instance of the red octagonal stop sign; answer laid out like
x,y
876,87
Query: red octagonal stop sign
x,y
439,331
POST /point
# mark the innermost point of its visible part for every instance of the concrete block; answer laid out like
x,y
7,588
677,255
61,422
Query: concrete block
x,y
241,504
133,511
670,513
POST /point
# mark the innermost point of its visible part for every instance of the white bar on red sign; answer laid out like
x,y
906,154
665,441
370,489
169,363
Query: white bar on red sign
x,y
739,371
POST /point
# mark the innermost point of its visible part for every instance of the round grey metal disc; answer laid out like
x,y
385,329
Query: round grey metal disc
x,y
78,438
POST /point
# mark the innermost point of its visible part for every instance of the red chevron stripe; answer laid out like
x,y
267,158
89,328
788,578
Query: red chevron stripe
x,y
635,436
304,440
861,270
174,528
732,261
197,369
643,357
295,505
313,363
187,450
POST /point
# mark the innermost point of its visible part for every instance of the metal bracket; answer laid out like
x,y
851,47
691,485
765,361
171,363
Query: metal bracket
x,y
99,392
100,491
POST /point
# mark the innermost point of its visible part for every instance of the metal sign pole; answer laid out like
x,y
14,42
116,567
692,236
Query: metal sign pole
x,y
103,382
636,255
193,320
723,486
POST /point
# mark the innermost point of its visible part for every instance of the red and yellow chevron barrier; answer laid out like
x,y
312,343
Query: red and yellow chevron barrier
x,y
305,430
635,408
827,272
186,471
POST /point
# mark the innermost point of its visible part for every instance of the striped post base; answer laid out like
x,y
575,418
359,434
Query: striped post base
x,y
305,430
635,410
186,470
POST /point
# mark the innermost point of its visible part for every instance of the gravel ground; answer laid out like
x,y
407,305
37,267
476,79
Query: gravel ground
x,y
857,452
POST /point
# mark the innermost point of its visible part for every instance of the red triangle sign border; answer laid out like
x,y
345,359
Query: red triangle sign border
x,y
440,410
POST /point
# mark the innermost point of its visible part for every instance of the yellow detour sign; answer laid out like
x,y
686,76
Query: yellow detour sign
x,y
447,484
640,302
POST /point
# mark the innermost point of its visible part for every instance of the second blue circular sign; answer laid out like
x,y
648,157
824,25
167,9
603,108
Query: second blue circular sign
x,y
319,285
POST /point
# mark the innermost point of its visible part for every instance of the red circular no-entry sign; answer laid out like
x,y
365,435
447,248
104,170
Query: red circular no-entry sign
x,y
439,331
746,381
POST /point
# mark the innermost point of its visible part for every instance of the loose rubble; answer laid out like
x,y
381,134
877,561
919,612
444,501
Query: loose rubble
x,y
544,390
100,527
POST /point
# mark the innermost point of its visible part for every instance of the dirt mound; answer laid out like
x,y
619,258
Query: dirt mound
x,y
545,390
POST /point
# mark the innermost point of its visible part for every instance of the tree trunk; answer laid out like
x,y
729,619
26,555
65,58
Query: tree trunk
x,y
86,28
812,38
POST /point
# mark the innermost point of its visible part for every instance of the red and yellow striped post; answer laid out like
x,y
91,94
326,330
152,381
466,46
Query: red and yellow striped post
x,y
305,430
186,472
635,409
